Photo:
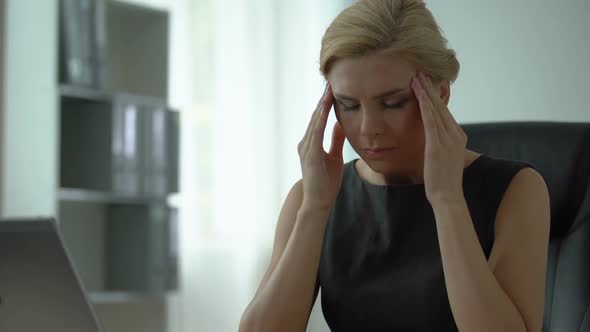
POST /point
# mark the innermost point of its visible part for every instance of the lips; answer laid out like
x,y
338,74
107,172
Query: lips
x,y
374,150
379,153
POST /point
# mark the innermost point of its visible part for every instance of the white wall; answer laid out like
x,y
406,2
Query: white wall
x,y
29,132
521,60
2,57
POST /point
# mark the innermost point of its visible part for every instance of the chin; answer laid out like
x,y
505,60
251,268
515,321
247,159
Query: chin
x,y
382,165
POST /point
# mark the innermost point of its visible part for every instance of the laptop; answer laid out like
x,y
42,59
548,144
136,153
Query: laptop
x,y
39,287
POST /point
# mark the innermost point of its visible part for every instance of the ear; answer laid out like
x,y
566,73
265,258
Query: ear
x,y
444,88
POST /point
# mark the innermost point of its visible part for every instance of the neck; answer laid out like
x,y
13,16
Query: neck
x,y
397,178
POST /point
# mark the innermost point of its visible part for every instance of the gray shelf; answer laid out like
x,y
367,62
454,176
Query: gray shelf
x,y
109,96
121,297
90,196
77,92
121,248
118,158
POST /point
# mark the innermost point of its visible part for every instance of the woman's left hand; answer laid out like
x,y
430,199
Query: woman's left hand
x,y
444,152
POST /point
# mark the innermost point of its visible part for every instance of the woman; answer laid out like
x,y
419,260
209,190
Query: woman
x,y
420,233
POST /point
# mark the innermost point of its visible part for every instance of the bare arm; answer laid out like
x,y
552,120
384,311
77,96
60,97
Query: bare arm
x,y
506,293
287,293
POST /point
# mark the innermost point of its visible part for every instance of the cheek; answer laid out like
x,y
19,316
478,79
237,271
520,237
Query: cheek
x,y
402,121
347,121
349,127
411,118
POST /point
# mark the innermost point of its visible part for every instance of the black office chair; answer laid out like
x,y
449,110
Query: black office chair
x,y
561,153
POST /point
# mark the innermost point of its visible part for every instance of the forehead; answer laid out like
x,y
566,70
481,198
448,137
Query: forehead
x,y
366,76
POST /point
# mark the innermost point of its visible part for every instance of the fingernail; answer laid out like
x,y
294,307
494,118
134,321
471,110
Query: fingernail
x,y
417,83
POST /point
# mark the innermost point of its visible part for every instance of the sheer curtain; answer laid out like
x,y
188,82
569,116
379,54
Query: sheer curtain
x,y
245,74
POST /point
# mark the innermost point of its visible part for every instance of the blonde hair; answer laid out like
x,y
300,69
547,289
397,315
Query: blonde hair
x,y
405,27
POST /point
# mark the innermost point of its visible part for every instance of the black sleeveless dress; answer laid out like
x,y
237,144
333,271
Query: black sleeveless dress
x,y
381,268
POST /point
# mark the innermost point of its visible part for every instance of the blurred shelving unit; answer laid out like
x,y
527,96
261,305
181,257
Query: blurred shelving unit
x,y
118,157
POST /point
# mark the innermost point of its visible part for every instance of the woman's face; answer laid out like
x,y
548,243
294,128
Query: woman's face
x,y
376,107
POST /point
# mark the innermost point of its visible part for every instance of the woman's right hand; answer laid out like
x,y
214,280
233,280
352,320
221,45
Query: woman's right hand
x,y
322,172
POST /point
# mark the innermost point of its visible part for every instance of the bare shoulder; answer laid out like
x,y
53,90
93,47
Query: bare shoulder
x,y
523,211
527,185
470,157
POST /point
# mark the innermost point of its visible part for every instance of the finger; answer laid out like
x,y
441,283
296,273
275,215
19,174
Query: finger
x,y
307,136
318,134
318,108
319,114
428,86
448,118
441,111
428,118
338,139
434,100
326,107
313,121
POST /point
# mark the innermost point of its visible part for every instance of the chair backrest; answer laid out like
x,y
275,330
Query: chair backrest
x,y
561,153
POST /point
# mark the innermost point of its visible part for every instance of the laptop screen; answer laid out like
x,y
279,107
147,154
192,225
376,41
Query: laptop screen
x,y
39,288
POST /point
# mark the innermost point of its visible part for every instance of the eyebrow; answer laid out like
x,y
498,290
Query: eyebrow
x,y
381,95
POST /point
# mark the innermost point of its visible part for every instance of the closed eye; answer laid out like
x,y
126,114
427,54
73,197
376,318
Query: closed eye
x,y
396,105
347,108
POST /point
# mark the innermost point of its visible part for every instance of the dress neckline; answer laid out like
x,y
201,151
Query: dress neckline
x,y
408,186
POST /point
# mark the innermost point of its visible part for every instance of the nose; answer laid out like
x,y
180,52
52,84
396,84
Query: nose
x,y
372,122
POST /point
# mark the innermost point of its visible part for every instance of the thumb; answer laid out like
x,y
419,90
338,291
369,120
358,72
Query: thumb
x,y
338,138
